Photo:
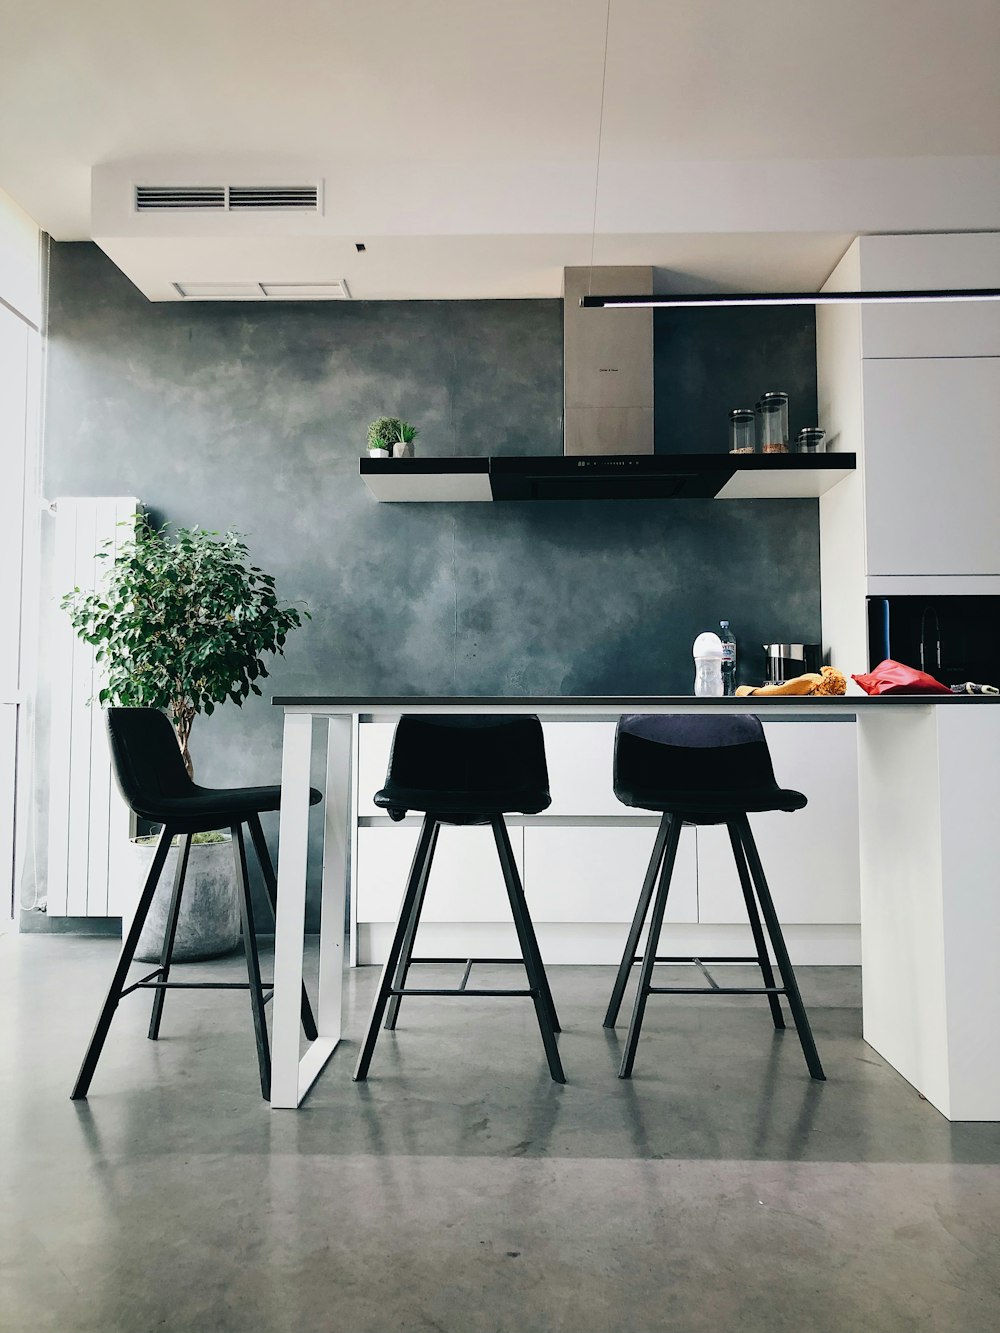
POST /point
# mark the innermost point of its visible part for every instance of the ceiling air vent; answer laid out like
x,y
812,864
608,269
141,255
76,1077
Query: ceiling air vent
x,y
301,198
150,198
228,198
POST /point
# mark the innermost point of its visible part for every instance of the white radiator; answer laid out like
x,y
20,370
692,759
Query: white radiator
x,y
88,826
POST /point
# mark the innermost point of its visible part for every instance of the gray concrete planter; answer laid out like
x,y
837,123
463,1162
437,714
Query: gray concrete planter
x,y
209,921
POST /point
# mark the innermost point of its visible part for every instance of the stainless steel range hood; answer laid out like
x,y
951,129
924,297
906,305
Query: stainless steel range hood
x,y
607,365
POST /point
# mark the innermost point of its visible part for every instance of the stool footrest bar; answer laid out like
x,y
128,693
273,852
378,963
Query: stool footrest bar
x,y
461,990
716,990
701,958
192,985
413,961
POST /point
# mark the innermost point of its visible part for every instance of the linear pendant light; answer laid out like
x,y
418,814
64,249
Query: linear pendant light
x,y
789,298
679,301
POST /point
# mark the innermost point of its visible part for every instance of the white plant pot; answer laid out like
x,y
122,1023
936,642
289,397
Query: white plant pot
x,y
378,453
209,922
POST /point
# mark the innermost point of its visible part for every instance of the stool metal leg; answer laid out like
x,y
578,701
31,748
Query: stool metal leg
x,y
403,967
642,907
107,1013
532,960
507,862
742,824
271,885
395,949
183,852
758,932
649,953
253,962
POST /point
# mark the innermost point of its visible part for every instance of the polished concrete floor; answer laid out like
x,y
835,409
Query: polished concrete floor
x,y
460,1190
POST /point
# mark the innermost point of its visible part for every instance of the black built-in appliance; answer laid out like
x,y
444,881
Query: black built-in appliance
x,y
953,638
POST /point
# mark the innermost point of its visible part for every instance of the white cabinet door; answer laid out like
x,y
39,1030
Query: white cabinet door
x,y
580,756
960,328
595,874
932,466
374,744
810,857
465,882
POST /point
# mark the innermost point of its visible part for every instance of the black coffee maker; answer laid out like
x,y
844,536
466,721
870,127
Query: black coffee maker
x,y
785,661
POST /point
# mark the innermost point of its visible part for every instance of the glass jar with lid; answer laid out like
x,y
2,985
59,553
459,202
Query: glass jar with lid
x,y
810,440
774,423
741,430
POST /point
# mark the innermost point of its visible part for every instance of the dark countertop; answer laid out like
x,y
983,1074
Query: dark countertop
x,y
627,702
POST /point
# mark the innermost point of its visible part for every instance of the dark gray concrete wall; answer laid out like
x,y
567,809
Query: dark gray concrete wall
x,y
254,417
709,361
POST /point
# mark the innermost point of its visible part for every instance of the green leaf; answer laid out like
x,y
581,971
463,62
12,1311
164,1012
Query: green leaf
x,y
181,622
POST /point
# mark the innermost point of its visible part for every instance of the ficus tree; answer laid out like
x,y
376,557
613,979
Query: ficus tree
x,y
181,621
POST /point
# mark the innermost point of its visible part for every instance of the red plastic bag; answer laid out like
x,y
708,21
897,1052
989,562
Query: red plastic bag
x,y
891,677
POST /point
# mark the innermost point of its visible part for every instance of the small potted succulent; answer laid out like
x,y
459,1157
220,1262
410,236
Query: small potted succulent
x,y
402,446
390,437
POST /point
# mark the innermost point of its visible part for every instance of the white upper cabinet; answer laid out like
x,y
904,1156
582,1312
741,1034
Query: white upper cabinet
x,y
932,466
914,390
938,329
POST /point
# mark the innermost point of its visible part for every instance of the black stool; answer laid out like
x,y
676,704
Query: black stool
x,y
702,770
151,776
463,770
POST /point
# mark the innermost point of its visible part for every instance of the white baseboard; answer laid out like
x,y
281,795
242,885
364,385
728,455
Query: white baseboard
x,y
600,943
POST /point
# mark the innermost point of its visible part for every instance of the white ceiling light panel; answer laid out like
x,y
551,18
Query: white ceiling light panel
x,y
335,290
312,291
220,291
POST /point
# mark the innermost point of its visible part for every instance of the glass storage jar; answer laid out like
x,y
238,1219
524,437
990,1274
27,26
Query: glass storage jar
x,y
810,440
774,423
741,430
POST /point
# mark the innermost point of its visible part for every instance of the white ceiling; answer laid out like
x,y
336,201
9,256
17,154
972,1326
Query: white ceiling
x,y
740,143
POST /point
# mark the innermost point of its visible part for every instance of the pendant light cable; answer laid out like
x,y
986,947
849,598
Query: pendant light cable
x,y
600,140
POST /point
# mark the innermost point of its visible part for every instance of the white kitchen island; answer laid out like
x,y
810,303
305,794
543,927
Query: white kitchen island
x,y
928,773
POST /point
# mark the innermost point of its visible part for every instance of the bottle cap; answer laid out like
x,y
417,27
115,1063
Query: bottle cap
x,y
723,624
707,645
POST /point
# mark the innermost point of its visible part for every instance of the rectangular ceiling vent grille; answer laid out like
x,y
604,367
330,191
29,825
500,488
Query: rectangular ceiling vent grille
x,y
152,198
302,198
228,198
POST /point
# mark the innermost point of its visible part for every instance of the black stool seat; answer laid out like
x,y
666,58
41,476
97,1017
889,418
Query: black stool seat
x,y
213,807
156,785
148,767
703,769
466,770
463,770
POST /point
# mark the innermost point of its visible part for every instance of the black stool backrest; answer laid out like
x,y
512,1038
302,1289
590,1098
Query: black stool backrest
x,y
680,753
146,758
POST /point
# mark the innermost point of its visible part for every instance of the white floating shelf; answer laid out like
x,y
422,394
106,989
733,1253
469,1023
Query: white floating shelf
x,y
606,477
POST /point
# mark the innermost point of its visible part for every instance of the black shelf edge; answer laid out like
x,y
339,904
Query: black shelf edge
x,y
610,477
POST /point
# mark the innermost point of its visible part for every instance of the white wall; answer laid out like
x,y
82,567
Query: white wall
x,y
20,316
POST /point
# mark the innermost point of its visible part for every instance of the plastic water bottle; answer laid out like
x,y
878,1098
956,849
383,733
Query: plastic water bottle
x,y
728,658
707,653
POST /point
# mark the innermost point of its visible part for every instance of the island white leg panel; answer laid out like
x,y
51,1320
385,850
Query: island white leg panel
x,y
929,781
291,1077
339,824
